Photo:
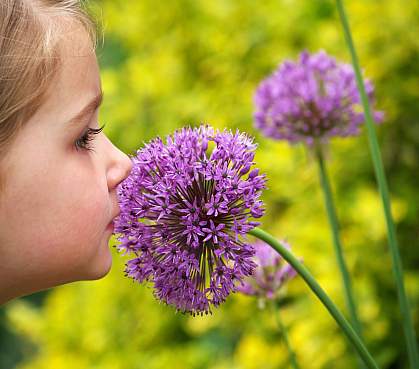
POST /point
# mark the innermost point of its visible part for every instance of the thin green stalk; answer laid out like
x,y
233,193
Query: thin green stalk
x,y
320,293
291,353
334,225
408,328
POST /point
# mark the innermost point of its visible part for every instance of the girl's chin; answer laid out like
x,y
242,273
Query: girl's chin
x,y
100,266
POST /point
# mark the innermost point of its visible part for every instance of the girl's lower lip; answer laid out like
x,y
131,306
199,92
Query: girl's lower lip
x,y
110,226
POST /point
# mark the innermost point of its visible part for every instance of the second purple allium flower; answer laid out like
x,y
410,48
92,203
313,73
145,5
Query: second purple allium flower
x,y
184,211
271,273
313,98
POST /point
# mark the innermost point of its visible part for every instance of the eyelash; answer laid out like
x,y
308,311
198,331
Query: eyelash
x,y
83,143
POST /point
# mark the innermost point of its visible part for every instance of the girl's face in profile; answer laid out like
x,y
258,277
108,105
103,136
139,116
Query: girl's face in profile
x,y
60,191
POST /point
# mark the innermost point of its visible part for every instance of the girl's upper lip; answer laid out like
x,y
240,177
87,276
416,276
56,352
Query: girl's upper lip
x,y
113,218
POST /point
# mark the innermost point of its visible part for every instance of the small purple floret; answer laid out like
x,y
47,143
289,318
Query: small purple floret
x,y
185,211
312,99
270,275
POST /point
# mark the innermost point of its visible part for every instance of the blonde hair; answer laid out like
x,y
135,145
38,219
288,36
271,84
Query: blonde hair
x,y
29,31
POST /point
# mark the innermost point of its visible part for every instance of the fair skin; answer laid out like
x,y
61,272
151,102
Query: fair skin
x,y
59,201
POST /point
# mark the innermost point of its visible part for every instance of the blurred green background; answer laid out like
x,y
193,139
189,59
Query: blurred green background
x,y
175,63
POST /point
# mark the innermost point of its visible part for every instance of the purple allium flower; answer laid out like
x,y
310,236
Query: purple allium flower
x,y
314,98
271,273
185,209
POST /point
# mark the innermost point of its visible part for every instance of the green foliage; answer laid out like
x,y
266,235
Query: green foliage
x,y
174,63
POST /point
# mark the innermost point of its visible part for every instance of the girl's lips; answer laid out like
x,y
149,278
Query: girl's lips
x,y
110,226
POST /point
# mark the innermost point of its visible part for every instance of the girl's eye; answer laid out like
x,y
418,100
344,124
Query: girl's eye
x,y
84,142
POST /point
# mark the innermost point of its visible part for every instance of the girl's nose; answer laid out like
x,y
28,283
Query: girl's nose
x,y
119,167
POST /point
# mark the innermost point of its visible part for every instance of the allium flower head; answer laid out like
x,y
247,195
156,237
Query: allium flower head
x,y
271,273
185,209
313,98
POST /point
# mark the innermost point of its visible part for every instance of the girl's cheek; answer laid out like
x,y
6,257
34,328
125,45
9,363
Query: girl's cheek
x,y
75,240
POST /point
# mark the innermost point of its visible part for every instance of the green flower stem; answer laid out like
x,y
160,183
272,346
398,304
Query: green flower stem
x,y
319,292
334,225
291,353
408,328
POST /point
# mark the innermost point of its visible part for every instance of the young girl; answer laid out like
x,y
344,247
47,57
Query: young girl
x,y
58,171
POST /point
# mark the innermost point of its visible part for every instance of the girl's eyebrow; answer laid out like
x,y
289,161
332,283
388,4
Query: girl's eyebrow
x,y
88,110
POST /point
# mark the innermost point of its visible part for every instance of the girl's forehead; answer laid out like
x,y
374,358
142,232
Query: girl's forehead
x,y
76,53
77,79
73,40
